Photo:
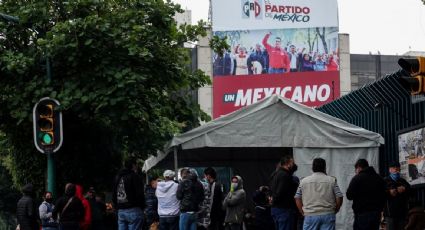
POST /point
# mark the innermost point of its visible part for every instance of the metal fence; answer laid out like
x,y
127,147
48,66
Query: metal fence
x,y
384,107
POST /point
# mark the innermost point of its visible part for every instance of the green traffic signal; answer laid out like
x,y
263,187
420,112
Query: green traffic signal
x,y
47,123
46,138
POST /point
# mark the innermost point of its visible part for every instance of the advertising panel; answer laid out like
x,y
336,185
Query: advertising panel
x,y
276,47
411,150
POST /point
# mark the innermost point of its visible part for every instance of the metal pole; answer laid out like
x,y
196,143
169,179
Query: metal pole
x,y
51,185
9,18
176,167
51,173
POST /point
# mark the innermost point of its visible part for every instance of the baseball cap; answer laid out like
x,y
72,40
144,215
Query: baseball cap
x,y
169,173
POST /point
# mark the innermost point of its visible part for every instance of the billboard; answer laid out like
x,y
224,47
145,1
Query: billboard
x,y
285,47
411,149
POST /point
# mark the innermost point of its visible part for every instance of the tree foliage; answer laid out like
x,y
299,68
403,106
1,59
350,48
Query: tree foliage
x,y
119,70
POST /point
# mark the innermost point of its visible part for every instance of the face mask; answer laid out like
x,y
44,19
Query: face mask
x,y
294,168
49,200
234,186
395,176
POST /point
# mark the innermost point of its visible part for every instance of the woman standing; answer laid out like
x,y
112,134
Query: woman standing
x,y
234,204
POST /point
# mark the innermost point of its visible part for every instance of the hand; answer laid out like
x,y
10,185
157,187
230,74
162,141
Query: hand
x,y
337,209
393,192
401,189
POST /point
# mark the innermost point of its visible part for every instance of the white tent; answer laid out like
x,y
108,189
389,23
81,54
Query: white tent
x,y
252,140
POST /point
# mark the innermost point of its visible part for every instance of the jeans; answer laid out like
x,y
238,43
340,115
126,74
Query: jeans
x,y
276,70
322,222
188,221
130,219
367,220
283,218
49,228
169,223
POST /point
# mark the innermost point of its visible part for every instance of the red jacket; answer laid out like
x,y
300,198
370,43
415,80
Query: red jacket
x,y
85,223
332,65
278,57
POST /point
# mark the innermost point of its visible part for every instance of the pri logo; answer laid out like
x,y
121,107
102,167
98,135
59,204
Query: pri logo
x,y
251,7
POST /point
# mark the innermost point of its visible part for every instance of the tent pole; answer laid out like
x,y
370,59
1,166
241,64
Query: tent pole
x,y
176,167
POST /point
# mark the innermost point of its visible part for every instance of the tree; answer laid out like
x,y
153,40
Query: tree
x,y
322,37
119,71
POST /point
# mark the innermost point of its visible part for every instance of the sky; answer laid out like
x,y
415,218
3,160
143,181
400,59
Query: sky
x,y
388,26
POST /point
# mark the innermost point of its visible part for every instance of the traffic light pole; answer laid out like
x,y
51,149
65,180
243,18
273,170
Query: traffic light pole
x,y
51,172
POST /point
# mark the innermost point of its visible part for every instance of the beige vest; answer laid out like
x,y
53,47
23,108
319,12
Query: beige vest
x,y
318,194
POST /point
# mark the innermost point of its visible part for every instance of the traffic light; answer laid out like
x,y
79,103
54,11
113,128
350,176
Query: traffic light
x,y
415,84
47,122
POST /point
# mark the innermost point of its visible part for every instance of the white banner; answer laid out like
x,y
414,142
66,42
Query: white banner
x,y
273,14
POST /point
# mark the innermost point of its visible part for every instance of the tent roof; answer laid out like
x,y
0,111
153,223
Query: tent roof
x,y
273,122
277,122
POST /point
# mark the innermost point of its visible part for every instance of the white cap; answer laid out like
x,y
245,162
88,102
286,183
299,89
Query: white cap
x,y
169,173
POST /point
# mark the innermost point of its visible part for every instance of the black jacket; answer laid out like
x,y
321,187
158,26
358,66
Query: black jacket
x,y
151,210
367,190
128,190
74,212
27,214
397,206
190,193
217,212
283,189
263,216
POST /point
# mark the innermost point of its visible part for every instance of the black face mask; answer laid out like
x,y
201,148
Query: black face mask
x,y
49,200
293,169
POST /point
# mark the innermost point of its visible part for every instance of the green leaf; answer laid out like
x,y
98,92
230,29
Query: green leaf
x,y
88,42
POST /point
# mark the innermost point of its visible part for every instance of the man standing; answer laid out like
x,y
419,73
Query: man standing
x,y
190,192
26,211
318,198
367,191
397,190
128,197
168,205
45,211
293,57
69,210
279,61
151,211
97,210
216,199
283,189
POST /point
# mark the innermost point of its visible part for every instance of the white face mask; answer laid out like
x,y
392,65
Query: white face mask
x,y
234,185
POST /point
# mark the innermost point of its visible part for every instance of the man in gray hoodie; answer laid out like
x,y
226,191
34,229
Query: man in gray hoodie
x,y
234,204
168,205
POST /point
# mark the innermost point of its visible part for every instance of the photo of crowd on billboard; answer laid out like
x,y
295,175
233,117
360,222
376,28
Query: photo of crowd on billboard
x,y
277,51
412,155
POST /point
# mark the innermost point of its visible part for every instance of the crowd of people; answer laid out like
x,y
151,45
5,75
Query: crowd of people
x,y
71,211
269,58
190,202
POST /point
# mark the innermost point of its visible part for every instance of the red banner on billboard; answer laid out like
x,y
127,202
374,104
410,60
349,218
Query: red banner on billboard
x,y
308,88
